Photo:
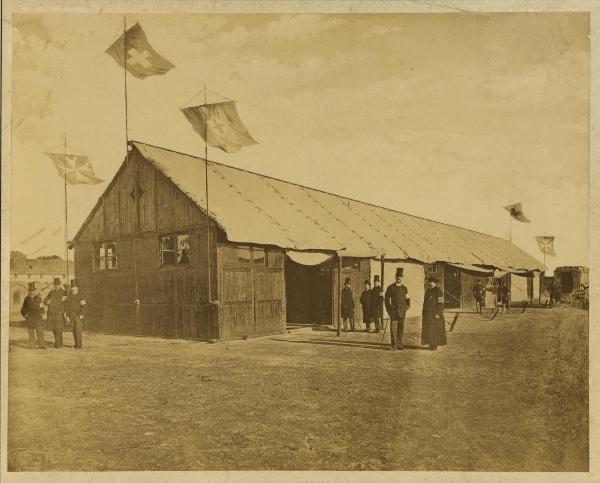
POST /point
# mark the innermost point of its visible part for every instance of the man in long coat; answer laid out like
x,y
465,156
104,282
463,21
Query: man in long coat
x,y
55,301
75,310
377,304
347,305
397,302
433,329
479,296
32,310
365,302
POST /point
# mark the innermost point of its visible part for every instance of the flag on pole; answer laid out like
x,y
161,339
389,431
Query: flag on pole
x,y
79,168
219,125
141,60
546,244
516,211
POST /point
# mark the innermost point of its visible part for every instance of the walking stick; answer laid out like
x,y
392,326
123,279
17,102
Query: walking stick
x,y
384,329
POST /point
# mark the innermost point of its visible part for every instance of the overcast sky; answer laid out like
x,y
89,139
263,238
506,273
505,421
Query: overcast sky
x,y
445,116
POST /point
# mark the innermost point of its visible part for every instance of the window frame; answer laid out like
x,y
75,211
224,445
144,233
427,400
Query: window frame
x,y
103,245
176,252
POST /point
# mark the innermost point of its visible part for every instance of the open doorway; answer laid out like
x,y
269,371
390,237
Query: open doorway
x,y
308,294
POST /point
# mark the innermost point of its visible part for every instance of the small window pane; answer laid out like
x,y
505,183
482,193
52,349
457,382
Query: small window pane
x,y
183,250
259,256
167,243
111,255
243,254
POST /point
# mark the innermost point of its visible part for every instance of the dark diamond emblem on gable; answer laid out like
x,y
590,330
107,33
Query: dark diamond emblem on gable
x,y
136,193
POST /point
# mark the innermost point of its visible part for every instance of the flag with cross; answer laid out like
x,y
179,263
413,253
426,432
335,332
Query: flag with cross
x,y
133,52
74,168
219,125
546,245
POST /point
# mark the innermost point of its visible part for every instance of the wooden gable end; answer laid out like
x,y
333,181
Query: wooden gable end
x,y
163,206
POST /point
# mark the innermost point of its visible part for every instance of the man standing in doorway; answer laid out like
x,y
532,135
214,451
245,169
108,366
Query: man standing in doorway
x,y
377,304
397,302
348,305
76,305
55,301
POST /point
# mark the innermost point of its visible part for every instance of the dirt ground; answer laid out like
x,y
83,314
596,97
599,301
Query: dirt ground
x,y
504,395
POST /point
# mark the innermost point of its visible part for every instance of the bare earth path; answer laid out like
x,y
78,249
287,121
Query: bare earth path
x,y
506,395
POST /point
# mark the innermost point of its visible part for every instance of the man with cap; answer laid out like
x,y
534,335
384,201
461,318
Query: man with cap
x,y
55,301
347,305
365,302
75,309
433,329
397,302
377,304
32,310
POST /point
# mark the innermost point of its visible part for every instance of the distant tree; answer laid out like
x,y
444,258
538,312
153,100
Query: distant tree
x,y
17,255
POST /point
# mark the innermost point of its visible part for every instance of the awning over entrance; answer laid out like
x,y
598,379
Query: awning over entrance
x,y
309,258
473,268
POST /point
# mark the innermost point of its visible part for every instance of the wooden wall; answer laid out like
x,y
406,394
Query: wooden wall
x,y
174,298
251,291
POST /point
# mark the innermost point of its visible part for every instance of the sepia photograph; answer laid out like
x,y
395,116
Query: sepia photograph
x,y
295,241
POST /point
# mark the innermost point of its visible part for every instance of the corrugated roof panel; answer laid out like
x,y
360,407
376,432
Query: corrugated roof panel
x,y
253,208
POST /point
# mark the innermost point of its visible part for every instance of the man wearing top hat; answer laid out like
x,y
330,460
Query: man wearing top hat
x,y
32,310
397,302
377,304
433,329
365,302
75,309
55,301
347,305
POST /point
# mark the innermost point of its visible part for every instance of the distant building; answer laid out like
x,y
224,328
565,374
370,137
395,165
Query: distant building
x,y
42,270
277,254
570,280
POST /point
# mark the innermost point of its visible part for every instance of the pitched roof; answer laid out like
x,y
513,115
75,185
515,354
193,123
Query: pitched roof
x,y
40,266
253,208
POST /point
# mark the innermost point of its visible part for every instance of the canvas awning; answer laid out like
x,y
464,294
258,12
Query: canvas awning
x,y
473,268
308,258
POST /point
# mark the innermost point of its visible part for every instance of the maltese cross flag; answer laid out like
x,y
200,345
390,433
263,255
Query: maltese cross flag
x,y
219,125
78,168
133,51
546,244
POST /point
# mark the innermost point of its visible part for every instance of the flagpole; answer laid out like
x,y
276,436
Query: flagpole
x,y
509,222
206,192
136,184
66,219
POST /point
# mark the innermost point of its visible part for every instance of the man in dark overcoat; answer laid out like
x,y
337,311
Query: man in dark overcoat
x,y
75,310
433,328
377,304
397,302
365,302
55,301
347,303
32,310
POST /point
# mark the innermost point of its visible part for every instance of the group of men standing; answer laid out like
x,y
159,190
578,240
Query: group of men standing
x,y
501,292
397,302
62,309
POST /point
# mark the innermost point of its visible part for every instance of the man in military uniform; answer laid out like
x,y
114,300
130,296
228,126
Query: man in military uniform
x,y
397,302
55,301
347,305
433,329
75,309
32,310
